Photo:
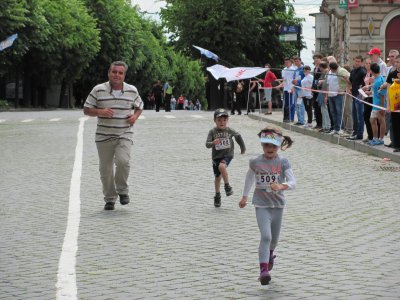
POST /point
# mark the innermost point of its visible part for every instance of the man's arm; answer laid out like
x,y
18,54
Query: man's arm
x,y
98,112
132,119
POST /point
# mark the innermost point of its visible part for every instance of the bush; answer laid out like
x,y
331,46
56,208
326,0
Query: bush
x,y
4,104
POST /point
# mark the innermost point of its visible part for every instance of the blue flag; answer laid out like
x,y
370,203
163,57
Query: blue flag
x,y
8,42
207,53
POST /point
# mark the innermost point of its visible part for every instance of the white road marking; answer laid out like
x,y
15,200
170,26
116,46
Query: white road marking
x,y
197,116
55,120
66,275
27,120
142,117
170,117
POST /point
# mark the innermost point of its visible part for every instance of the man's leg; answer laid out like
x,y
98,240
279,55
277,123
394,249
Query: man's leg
x,y
354,116
122,162
360,119
286,107
367,116
106,168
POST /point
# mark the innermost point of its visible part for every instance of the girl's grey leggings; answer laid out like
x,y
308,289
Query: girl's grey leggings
x,y
269,222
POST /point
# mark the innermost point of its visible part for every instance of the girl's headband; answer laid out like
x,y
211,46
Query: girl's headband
x,y
270,137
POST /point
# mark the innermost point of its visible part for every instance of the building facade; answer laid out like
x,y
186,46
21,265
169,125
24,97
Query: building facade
x,y
347,28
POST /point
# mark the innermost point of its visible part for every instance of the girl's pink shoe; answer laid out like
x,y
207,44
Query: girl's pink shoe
x,y
265,277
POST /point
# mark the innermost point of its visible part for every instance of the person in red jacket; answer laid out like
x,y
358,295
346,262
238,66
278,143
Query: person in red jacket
x,y
268,80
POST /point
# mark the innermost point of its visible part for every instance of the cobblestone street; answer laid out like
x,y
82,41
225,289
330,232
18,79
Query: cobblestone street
x,y
340,236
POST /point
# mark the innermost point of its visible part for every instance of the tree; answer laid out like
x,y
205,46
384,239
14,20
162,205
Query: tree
x,y
241,32
128,36
57,39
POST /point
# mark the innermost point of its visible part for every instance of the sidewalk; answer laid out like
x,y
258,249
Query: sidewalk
x,y
379,151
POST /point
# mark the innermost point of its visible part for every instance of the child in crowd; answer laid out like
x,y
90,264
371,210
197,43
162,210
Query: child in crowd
x,y
220,139
394,105
306,93
272,175
377,115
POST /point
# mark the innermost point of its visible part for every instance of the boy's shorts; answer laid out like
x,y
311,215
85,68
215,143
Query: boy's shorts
x,y
374,114
216,163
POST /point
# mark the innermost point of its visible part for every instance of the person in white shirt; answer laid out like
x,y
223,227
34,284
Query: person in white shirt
x,y
392,60
288,103
337,80
306,93
375,55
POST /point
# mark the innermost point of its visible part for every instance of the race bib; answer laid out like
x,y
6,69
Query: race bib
x,y
263,181
224,143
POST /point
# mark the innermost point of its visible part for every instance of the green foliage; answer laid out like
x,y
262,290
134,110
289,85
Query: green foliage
x,y
4,104
13,18
127,36
74,42
241,32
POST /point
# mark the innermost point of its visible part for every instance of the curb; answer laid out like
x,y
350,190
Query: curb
x,y
357,146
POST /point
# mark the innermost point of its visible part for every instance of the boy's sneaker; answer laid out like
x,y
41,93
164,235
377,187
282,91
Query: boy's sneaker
x,y
217,200
381,142
228,190
373,142
265,277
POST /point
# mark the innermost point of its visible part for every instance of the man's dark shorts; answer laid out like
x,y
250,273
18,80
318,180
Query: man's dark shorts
x,y
216,163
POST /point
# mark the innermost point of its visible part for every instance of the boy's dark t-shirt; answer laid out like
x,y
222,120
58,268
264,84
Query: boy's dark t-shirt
x,y
226,147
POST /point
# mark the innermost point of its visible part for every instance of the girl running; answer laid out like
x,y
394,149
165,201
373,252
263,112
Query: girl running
x,y
272,175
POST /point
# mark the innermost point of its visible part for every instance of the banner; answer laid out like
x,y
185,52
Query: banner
x,y
238,73
8,42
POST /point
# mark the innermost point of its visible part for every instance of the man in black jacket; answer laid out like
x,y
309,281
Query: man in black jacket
x,y
357,75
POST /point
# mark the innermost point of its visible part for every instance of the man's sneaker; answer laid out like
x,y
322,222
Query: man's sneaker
x,y
217,200
381,142
124,199
228,190
271,262
308,125
352,137
265,277
109,206
340,132
332,132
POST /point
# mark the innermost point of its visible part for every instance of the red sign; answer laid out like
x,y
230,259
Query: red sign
x,y
352,4
388,1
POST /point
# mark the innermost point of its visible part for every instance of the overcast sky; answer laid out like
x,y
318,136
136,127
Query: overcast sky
x,y
303,9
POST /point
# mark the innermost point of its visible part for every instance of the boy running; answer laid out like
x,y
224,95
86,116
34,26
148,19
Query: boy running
x,y
220,139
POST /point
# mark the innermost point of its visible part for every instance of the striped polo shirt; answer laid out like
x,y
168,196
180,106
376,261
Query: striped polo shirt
x,y
121,102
